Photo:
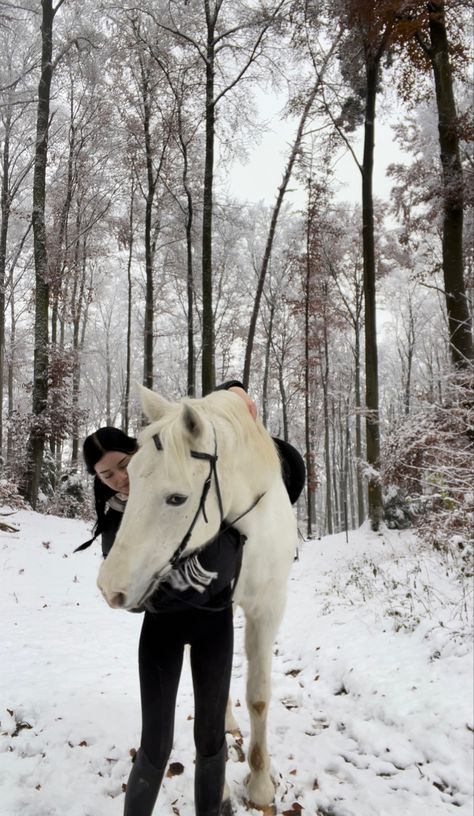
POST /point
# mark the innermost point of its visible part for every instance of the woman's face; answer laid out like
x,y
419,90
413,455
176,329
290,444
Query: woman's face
x,y
112,470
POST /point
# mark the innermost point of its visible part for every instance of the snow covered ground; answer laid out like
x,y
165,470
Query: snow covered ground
x,y
372,694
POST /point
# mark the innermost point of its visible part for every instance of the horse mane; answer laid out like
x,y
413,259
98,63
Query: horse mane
x,y
238,435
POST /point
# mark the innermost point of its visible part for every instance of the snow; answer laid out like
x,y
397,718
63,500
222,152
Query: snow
x,y
371,712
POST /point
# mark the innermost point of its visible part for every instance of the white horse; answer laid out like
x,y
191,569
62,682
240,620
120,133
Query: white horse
x,y
236,455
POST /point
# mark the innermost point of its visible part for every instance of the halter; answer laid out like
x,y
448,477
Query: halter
x,y
212,459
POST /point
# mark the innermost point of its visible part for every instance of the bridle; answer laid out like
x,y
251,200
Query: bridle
x,y
212,459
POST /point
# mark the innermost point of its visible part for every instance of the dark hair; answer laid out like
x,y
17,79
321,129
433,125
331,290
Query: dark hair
x,y
103,441
95,446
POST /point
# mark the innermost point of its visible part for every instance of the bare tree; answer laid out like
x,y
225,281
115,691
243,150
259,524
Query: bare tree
x,y
41,334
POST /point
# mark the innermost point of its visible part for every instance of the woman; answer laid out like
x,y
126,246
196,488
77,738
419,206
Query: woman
x,y
178,614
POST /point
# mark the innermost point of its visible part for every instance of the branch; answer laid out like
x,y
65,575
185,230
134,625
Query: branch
x,y
423,45
68,47
342,135
173,31
15,82
252,56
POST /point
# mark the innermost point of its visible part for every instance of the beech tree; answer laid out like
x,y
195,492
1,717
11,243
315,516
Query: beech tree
x,y
426,25
227,41
16,163
36,439
369,30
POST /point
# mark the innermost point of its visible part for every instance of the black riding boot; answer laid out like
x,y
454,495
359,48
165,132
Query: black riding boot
x,y
209,780
142,786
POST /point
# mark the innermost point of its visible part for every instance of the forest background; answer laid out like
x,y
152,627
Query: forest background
x,y
125,256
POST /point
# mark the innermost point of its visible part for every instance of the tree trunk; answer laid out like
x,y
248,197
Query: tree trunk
x,y
334,470
410,352
126,398
266,370
459,318
36,440
79,317
208,363
284,401
327,451
271,234
5,215
308,380
191,377
358,429
149,251
371,362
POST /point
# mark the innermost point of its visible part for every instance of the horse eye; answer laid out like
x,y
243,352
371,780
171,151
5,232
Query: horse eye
x,y
176,499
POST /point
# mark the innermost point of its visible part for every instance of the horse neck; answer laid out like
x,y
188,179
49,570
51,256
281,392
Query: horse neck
x,y
242,475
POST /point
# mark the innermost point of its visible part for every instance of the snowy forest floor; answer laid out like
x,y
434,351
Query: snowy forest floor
x,y
371,711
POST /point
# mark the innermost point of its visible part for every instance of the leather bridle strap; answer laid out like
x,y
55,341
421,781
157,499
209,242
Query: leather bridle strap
x,y
212,459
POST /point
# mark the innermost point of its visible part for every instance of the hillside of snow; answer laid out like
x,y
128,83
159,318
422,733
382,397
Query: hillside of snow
x,y
371,712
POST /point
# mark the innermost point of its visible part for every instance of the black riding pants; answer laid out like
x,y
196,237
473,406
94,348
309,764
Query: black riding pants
x,y
161,649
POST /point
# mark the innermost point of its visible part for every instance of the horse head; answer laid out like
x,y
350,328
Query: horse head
x,y
177,499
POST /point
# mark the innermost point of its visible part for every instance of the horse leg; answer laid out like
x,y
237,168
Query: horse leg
x,y
231,723
259,638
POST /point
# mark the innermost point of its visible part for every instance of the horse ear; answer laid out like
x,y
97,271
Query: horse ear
x,y
154,406
192,422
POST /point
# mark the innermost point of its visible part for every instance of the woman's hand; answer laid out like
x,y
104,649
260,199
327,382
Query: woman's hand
x,y
251,407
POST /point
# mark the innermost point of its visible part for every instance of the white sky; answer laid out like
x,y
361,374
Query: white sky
x,y
260,177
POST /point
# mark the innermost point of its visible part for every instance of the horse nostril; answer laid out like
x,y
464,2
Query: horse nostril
x,y
118,599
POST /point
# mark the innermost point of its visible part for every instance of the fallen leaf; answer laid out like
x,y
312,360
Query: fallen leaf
x,y
175,769
295,808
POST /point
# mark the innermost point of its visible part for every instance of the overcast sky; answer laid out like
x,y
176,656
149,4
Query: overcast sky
x,y
259,178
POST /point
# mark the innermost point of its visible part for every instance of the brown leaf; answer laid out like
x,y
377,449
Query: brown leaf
x,y
175,769
295,808
293,672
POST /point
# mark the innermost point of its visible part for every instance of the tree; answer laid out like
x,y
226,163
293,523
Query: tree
x,y
36,439
16,161
432,37
222,36
305,115
369,31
